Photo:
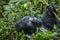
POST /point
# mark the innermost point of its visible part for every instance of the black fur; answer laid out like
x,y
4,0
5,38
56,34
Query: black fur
x,y
28,24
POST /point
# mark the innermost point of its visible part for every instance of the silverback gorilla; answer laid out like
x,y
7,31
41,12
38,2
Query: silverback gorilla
x,y
29,23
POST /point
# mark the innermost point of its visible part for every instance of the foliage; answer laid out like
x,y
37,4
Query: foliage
x,y
13,10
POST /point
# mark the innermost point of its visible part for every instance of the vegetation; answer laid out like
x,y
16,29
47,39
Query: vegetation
x,y
13,10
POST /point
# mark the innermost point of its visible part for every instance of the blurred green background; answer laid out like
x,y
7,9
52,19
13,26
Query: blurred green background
x,y
13,10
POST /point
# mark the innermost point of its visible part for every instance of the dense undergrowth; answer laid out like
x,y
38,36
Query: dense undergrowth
x,y
13,10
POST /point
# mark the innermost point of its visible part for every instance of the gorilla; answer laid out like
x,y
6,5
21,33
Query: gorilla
x,y
28,24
